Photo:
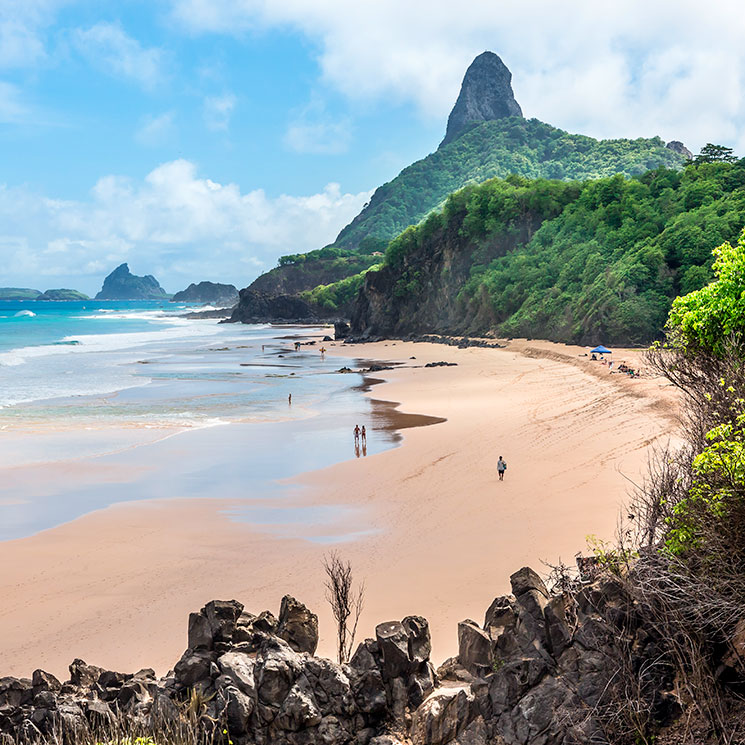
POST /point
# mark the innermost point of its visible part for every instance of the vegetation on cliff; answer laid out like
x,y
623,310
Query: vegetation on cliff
x,y
297,273
526,147
567,261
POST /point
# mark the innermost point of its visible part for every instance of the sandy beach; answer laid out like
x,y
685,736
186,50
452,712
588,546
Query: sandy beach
x,y
427,525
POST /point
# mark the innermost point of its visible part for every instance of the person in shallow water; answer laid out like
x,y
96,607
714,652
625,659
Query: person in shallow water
x,y
289,398
356,433
501,467
363,434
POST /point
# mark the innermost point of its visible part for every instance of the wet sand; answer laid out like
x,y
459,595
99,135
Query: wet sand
x,y
427,524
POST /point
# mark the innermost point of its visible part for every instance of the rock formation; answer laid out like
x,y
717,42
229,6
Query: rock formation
x,y
121,284
678,147
207,292
485,95
256,307
543,669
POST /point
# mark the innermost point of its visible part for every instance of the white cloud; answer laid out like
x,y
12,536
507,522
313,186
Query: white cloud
x,y
609,69
218,110
314,130
173,223
109,46
23,24
155,130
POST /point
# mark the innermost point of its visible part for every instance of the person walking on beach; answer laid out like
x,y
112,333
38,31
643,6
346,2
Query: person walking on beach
x,y
501,467
289,399
363,434
356,433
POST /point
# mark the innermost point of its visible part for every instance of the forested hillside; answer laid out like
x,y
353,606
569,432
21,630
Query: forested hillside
x,y
579,262
514,145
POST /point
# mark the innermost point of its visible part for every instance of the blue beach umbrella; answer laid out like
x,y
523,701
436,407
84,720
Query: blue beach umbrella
x,y
601,350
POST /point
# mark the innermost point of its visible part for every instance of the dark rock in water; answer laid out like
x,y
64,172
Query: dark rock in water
x,y
121,284
341,330
207,292
255,307
485,95
678,147
327,338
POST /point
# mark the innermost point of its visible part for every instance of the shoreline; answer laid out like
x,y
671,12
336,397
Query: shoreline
x,y
430,536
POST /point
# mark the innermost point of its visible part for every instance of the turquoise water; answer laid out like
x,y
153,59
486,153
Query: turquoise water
x,y
106,403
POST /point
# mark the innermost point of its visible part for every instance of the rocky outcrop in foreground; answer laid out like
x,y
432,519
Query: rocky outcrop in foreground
x,y
543,669
257,307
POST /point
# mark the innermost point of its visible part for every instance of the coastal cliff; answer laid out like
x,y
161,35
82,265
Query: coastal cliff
x,y
207,292
544,669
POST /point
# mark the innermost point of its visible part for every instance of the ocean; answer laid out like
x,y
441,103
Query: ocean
x,y
110,402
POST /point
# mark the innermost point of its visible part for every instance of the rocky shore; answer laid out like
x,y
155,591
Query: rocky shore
x,y
543,669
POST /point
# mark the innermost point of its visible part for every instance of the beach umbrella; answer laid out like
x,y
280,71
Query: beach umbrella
x,y
601,350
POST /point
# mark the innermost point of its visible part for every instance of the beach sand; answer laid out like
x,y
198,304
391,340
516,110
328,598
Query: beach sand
x,y
428,526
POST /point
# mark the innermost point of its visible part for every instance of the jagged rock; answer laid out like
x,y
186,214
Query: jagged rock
x,y
299,709
420,641
82,674
297,625
279,667
366,679
222,616
501,614
678,147
238,709
525,580
558,634
443,716
485,95
393,642
110,679
525,679
239,669
42,680
200,634
192,668
474,648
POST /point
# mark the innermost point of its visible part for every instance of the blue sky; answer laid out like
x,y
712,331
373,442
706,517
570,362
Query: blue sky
x,y
201,139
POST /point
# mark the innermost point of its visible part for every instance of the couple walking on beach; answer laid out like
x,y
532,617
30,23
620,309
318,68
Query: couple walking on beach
x,y
360,433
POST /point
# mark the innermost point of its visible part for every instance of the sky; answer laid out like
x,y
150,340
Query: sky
x,y
202,139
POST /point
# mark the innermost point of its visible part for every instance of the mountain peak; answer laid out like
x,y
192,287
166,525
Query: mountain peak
x,y
121,284
486,94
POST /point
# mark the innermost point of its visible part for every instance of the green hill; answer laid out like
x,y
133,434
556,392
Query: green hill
x,y
499,148
580,262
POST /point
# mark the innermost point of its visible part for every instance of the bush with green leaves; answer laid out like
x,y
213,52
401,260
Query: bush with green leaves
x,y
704,319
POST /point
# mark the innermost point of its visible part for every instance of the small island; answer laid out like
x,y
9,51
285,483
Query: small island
x,y
121,284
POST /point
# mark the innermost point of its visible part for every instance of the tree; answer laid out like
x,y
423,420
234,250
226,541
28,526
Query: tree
x,y
708,317
712,153
345,602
